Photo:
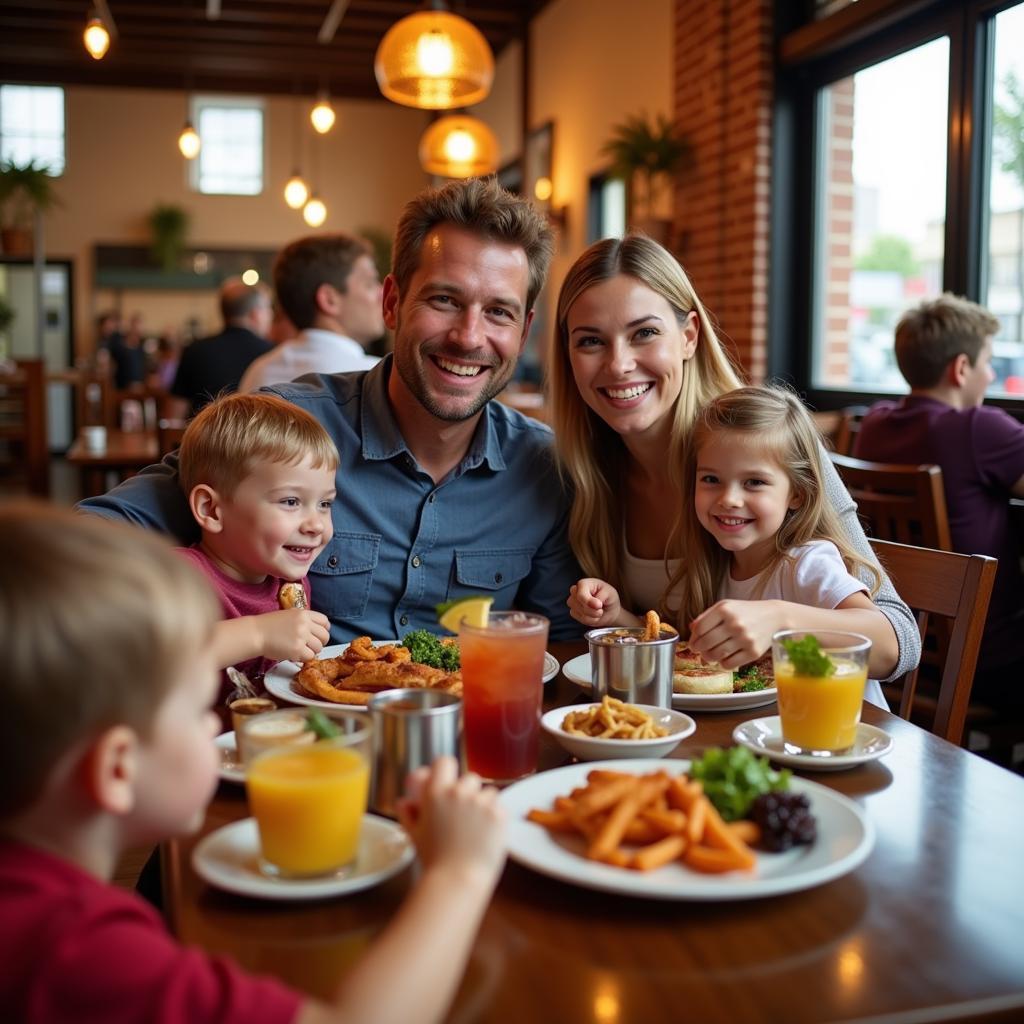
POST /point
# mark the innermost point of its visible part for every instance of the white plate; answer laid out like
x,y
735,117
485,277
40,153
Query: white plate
x,y
579,671
279,681
231,769
845,838
228,859
591,748
764,736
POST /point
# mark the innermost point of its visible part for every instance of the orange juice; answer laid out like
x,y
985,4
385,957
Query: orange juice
x,y
821,712
309,803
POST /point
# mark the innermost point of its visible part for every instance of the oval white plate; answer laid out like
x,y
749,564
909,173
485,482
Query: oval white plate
x,y
228,859
764,736
578,670
590,748
231,769
845,838
280,680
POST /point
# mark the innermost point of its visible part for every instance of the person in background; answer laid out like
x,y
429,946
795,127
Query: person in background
x,y
328,287
944,351
119,753
214,365
125,352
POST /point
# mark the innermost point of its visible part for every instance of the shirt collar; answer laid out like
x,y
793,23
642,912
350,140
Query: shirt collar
x,y
316,337
383,440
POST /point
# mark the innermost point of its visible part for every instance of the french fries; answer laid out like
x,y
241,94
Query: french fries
x,y
613,720
643,822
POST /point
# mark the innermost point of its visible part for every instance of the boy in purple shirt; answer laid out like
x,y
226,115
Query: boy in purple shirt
x,y
944,350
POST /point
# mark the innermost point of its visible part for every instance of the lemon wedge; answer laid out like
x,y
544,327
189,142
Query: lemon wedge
x,y
474,610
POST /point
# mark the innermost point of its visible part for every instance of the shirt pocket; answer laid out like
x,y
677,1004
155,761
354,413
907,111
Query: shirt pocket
x,y
492,571
341,577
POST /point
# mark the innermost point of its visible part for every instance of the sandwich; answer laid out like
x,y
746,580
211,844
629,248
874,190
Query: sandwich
x,y
694,674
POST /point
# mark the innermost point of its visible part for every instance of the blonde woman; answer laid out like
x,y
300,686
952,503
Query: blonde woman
x,y
635,360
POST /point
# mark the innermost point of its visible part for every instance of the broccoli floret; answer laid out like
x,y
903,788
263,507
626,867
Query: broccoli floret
x,y
427,649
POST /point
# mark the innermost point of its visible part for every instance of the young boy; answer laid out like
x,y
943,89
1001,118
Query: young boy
x,y
258,473
106,738
944,350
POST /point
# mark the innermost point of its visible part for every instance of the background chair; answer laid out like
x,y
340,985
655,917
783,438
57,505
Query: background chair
x,y
169,433
953,587
848,428
24,452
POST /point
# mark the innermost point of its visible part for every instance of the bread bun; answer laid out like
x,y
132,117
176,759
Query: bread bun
x,y
703,680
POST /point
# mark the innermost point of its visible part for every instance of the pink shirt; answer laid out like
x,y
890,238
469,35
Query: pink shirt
x,y
74,948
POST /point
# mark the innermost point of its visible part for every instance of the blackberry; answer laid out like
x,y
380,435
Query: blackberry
x,y
785,820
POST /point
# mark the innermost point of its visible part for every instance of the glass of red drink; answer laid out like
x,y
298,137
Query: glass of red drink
x,y
502,670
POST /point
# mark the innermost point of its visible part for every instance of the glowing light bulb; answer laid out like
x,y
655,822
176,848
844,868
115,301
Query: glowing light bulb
x,y
314,213
96,38
460,146
435,54
296,192
188,142
322,116
250,276
542,189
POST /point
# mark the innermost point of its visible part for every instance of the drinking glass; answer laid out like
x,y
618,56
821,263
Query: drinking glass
x,y
502,673
307,794
820,704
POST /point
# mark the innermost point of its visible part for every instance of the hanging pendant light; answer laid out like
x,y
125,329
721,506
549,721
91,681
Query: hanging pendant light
x,y
189,142
322,115
434,60
459,146
314,213
96,38
296,191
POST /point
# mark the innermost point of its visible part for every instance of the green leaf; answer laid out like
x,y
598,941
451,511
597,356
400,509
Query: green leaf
x,y
317,722
808,658
733,778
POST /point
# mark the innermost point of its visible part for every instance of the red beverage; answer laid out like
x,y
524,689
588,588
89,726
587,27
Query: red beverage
x,y
502,670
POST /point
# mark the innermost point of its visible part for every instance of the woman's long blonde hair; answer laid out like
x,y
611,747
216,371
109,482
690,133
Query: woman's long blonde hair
x,y
774,420
590,453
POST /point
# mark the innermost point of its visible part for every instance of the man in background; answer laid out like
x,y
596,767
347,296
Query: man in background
x,y
328,286
212,365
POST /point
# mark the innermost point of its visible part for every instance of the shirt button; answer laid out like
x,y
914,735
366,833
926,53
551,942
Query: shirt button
x,y
333,561
415,561
404,620
498,577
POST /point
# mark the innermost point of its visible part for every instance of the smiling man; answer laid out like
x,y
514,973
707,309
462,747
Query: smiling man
x,y
442,492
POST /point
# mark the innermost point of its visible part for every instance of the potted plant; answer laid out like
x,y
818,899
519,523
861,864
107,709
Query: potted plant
x,y
168,225
24,189
647,153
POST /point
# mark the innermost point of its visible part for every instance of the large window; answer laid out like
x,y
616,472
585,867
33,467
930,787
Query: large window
x,y
230,160
32,125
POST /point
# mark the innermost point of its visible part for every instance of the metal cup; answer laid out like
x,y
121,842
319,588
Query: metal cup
x,y
410,729
626,666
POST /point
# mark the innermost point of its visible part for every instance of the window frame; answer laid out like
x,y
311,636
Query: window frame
x,y
810,57
64,117
199,102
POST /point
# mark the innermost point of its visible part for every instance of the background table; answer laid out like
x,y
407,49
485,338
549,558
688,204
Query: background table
x,y
934,917
126,452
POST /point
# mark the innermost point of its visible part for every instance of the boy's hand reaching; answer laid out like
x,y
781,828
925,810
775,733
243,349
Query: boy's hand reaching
x,y
595,603
293,635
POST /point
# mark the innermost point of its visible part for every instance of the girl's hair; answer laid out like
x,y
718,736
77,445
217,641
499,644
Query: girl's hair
x,y
590,453
774,420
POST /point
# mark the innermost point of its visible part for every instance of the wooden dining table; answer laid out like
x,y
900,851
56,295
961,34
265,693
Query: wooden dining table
x,y
124,454
929,927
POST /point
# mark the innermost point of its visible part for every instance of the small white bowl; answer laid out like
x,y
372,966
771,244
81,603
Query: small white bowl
x,y
587,748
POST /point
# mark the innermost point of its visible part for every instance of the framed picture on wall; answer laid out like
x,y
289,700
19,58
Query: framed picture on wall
x,y
539,149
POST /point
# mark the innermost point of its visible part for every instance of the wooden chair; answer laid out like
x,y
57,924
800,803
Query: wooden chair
x,y
957,589
24,452
905,504
848,428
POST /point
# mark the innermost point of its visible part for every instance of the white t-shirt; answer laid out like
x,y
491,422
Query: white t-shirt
x,y
313,351
646,579
814,575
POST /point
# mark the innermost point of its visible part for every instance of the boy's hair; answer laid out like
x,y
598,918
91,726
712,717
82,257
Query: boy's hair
x,y
228,436
935,332
305,264
482,207
94,617
774,420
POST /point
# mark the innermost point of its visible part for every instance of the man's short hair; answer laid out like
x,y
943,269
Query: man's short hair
x,y
230,435
480,206
305,264
94,616
238,299
935,332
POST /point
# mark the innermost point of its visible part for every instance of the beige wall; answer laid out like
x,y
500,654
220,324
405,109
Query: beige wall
x,y
502,109
122,159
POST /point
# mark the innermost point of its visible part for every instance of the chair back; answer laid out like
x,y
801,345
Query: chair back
x,y
24,450
955,588
848,428
900,503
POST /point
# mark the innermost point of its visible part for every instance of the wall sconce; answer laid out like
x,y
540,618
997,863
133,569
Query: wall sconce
x,y
322,115
459,146
434,60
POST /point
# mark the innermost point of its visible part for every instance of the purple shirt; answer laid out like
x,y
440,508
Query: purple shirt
x,y
981,454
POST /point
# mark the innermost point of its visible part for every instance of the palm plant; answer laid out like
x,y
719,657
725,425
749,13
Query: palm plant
x,y
24,189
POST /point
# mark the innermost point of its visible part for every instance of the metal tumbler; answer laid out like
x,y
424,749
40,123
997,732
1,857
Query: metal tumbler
x,y
411,729
626,666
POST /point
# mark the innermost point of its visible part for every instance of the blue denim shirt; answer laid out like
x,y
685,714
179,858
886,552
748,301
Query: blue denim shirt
x,y
496,525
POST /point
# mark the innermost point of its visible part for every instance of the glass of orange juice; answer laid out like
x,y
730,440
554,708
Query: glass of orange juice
x,y
502,688
820,677
307,789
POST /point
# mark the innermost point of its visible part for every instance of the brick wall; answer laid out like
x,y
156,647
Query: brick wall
x,y
723,98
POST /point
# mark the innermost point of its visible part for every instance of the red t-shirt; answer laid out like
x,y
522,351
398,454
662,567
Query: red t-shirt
x,y
74,948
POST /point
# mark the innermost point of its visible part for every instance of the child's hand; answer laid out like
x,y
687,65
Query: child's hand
x,y
294,634
454,822
594,603
734,633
